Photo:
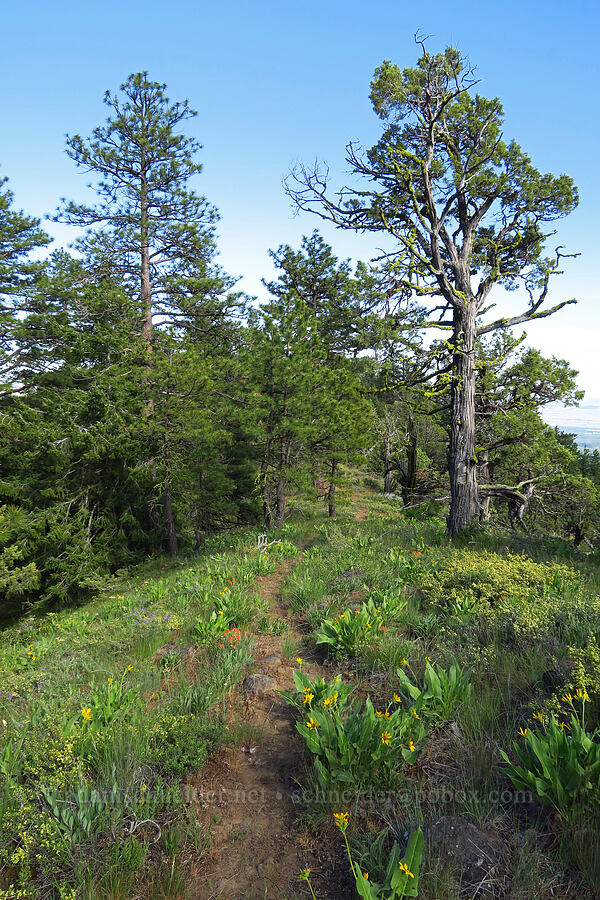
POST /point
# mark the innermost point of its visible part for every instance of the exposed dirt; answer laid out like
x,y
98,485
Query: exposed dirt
x,y
246,797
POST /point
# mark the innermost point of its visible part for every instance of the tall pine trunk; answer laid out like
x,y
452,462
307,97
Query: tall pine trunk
x,y
331,492
462,467
388,472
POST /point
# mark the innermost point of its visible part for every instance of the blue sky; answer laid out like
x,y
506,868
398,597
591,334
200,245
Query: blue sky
x,y
274,83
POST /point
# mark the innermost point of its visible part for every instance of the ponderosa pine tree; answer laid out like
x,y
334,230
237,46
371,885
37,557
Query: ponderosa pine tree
x,y
468,213
149,231
19,235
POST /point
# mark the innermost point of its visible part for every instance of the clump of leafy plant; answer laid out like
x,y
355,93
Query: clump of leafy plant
x,y
401,876
351,631
561,764
442,692
360,746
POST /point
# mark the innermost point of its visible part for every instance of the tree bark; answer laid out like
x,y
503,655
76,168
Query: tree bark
x,y
464,495
331,492
388,471
410,480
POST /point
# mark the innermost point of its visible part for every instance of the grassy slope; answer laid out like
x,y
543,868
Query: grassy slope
x,y
512,619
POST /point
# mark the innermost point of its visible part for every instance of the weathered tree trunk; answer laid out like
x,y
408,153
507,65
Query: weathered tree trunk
x,y
486,478
410,479
388,470
464,496
331,492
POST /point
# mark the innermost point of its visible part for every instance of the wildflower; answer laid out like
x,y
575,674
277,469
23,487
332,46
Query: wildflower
x,y
537,715
221,645
415,713
427,659
411,745
386,737
304,874
299,660
382,715
404,868
566,698
311,723
308,697
220,613
397,699
327,701
341,820
86,712
110,680
129,668
523,732
403,662
366,876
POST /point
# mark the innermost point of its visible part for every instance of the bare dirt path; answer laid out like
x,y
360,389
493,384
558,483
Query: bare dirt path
x,y
246,797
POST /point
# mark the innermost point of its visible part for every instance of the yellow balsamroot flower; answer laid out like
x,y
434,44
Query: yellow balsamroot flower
x,y
415,713
386,737
110,680
427,659
311,723
411,745
537,715
404,868
523,732
86,712
341,820
129,668
403,662
382,715
299,660
566,698
397,699
582,695
328,700
366,876
308,697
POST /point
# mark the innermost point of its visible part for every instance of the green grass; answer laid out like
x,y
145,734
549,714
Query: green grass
x,y
523,612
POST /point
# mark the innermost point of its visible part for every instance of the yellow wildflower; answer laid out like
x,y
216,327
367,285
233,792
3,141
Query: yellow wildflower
x,y
404,868
327,701
537,715
427,659
86,712
386,737
308,697
397,698
129,668
110,680
415,713
311,723
411,745
523,732
382,715
566,698
299,660
403,662
341,820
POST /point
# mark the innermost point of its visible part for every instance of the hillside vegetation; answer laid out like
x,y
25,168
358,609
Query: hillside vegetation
x,y
435,697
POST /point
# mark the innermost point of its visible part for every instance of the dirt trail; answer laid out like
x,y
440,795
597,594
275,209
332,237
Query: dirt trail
x,y
245,797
